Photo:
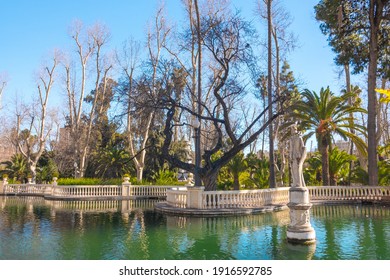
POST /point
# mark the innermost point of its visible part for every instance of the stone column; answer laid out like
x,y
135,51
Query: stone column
x,y
126,187
194,197
3,184
49,190
300,230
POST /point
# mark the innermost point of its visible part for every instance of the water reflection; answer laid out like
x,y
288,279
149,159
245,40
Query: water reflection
x,y
34,228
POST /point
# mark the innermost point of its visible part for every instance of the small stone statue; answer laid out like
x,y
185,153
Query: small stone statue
x,y
297,158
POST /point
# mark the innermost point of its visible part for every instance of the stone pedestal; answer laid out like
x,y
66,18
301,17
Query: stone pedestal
x,y
194,197
3,184
126,190
300,230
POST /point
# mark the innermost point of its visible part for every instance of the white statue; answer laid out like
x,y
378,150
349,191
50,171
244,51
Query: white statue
x,y
297,158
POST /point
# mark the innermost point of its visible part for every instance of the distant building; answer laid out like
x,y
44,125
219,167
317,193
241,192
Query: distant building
x,y
343,145
7,149
64,138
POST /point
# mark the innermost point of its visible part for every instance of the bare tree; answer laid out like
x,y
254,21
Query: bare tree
x,y
3,84
89,49
227,49
32,140
140,118
280,43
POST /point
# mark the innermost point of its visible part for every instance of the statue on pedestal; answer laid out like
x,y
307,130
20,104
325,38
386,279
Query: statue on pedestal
x,y
297,158
299,230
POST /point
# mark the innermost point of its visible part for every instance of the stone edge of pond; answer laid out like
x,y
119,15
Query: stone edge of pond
x,y
165,208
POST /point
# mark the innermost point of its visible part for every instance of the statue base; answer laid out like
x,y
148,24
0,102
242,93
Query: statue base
x,y
300,230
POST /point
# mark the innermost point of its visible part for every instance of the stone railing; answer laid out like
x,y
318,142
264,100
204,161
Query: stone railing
x,y
197,198
74,192
26,189
177,197
194,197
86,191
144,191
345,193
244,199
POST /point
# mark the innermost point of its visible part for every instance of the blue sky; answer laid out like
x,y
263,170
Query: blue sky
x,y
30,30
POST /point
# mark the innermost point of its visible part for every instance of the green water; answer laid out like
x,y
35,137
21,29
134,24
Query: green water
x,y
32,228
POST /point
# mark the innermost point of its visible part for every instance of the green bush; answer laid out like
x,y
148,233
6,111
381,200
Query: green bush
x,y
166,177
88,181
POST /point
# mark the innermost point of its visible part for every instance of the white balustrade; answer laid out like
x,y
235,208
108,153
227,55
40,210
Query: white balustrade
x,y
333,193
177,197
25,189
74,191
148,191
86,191
244,199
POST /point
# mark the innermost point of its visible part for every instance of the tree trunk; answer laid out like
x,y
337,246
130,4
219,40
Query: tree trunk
x,y
324,148
236,181
372,100
210,180
272,177
282,162
350,102
140,171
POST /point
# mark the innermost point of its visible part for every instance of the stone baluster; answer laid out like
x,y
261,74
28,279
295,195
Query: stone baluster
x,y
3,185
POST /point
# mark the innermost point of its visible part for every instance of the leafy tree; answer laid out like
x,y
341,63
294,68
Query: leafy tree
x,y
326,115
46,167
312,171
361,176
237,165
226,43
16,168
261,175
339,166
358,31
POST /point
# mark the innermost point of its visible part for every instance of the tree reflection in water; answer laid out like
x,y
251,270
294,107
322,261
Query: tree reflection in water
x,y
34,228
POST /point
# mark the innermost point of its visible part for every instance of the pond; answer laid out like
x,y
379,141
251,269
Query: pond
x,y
36,229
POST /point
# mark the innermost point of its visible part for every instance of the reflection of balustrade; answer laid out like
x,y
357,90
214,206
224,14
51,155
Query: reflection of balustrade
x,y
85,206
334,211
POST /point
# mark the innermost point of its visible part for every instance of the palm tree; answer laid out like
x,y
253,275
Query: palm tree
x,y
16,168
326,115
339,166
236,166
112,163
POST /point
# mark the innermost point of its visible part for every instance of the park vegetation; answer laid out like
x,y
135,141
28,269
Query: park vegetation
x,y
137,109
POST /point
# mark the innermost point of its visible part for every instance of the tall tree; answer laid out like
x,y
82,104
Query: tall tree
x,y
226,44
150,87
378,11
324,115
279,42
358,33
3,83
272,177
90,45
32,140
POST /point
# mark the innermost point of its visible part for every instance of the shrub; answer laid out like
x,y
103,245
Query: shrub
x,y
166,177
88,181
